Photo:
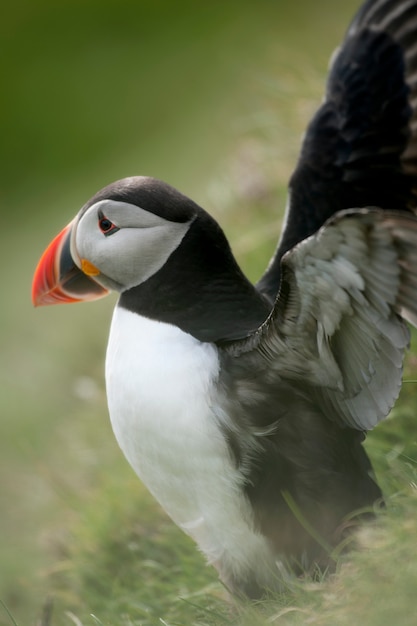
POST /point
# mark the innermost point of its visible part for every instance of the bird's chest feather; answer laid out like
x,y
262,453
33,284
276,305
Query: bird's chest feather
x,y
161,386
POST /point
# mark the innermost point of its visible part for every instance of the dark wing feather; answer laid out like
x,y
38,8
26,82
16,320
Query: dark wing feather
x,y
360,149
338,323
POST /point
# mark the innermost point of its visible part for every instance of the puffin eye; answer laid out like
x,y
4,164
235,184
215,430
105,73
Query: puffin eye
x,y
106,226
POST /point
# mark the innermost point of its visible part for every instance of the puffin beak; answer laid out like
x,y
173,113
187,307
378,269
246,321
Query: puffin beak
x,y
57,278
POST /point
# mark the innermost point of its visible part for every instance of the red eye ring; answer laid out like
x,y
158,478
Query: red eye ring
x,y
106,226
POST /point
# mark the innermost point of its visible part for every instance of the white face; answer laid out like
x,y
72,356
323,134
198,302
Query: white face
x,y
137,245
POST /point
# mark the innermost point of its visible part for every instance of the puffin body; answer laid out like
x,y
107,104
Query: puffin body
x,y
243,407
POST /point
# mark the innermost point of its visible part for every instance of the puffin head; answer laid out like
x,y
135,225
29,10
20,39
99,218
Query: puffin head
x,y
119,239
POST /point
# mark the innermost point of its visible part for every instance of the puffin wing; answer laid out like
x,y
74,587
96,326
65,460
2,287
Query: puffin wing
x,y
338,326
360,148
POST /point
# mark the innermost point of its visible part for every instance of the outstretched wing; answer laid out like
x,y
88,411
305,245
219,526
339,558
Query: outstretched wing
x,y
338,322
360,148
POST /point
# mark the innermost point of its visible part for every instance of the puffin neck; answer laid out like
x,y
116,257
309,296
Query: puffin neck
x,y
201,289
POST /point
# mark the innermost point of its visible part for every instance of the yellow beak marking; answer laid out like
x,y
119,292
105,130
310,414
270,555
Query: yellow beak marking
x,y
88,268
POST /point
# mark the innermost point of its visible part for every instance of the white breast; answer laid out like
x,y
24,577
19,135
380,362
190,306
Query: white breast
x,y
161,387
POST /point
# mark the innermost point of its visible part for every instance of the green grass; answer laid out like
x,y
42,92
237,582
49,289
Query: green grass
x,y
214,103
129,565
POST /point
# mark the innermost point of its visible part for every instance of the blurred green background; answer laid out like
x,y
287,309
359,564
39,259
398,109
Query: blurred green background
x,y
210,96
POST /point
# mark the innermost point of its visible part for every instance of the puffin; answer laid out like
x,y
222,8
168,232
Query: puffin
x,y
243,407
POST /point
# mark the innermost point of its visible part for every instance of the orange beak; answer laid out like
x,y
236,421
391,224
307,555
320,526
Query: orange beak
x,y
57,278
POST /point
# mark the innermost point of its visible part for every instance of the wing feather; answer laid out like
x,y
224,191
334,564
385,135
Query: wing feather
x,y
338,323
360,149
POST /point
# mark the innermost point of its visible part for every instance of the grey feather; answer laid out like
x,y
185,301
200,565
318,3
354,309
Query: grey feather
x,y
338,323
